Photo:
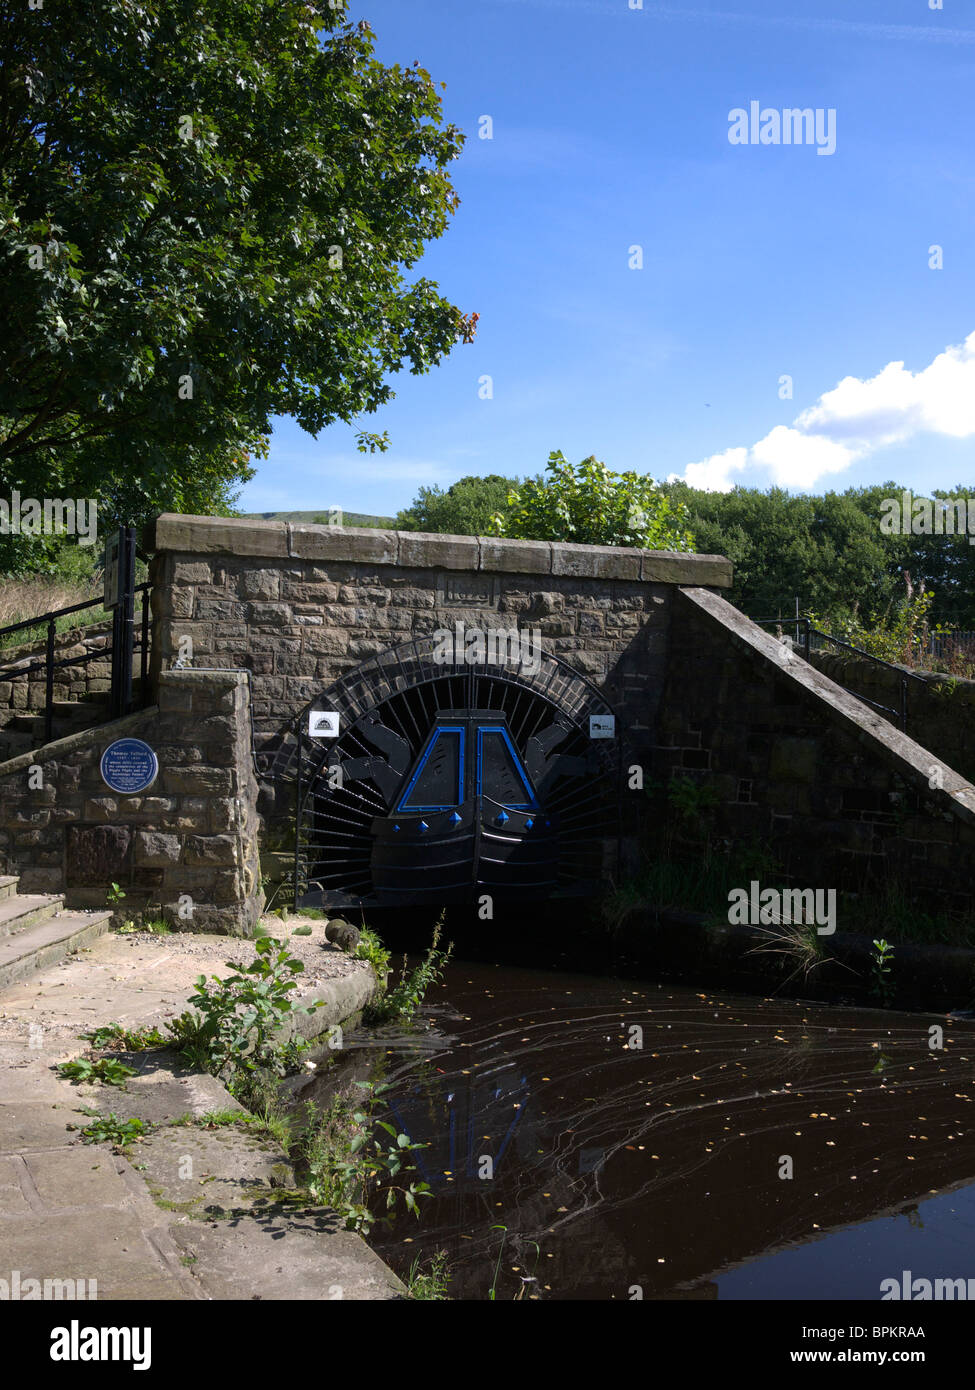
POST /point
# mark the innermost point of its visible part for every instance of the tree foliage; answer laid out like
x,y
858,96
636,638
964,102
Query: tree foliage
x,y
830,553
588,504
465,509
206,211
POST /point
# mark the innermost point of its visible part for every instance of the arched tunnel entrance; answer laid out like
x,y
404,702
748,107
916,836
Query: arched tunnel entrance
x,y
442,782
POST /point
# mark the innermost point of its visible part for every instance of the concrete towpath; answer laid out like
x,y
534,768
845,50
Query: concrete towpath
x,y
192,1212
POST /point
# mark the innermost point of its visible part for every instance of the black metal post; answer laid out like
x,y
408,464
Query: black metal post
x,y
805,638
49,683
144,663
904,704
127,565
115,699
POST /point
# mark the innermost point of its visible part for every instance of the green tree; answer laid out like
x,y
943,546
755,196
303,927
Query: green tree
x,y
589,504
467,508
944,563
206,211
827,551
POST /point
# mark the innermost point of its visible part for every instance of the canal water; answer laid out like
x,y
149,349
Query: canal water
x,y
592,1138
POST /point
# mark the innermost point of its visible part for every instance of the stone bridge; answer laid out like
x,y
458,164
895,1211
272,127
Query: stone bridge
x,y
442,718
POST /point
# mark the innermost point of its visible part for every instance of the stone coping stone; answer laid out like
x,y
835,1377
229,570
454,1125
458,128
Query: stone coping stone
x,y
956,797
62,748
286,540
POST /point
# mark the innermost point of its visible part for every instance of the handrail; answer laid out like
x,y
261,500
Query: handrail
x,y
877,660
56,613
49,665
904,672
46,617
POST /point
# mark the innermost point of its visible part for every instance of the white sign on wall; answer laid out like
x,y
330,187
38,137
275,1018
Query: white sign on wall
x,y
323,724
602,726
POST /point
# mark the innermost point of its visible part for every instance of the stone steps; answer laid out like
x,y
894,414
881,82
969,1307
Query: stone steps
x,y
20,910
36,931
25,730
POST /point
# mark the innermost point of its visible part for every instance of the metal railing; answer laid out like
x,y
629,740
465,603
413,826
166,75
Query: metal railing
x,y
122,701
805,632
944,644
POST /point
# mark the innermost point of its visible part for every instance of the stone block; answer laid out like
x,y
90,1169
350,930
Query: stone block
x,y
180,603
794,759
221,610
501,555
260,584
98,854
360,544
595,561
156,850
418,550
207,535
205,781
210,849
674,567
190,572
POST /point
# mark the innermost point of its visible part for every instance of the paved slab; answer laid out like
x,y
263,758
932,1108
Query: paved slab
x,y
286,1255
46,940
208,1173
192,1213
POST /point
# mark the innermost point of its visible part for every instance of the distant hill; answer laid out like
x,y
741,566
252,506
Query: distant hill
x,y
320,518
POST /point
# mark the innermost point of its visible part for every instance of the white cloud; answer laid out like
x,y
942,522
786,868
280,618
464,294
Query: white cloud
x,y
713,475
797,460
896,403
854,420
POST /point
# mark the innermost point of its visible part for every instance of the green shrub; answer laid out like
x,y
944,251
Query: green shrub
x,y
125,1039
107,1069
370,948
346,1161
402,1001
109,1129
234,1030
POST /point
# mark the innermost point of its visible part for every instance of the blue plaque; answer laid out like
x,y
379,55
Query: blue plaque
x,y
129,766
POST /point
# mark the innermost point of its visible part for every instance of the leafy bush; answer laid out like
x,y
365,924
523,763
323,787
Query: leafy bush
x,y
467,508
591,505
402,1001
107,1069
370,948
901,634
234,1029
430,1286
346,1161
125,1039
109,1129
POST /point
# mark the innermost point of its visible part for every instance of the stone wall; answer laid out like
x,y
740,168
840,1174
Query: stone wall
x,y
940,709
840,796
190,840
300,605
26,692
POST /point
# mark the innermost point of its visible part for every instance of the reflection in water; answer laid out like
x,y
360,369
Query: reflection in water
x,y
642,1136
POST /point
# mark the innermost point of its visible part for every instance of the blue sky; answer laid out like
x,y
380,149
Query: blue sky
x,y
611,131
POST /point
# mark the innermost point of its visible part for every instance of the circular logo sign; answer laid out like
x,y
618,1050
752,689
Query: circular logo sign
x,y
128,766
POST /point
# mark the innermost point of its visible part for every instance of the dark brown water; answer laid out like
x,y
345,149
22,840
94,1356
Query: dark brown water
x,y
656,1167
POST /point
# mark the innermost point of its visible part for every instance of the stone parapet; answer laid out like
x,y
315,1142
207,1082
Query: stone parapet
x,y
282,540
186,850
